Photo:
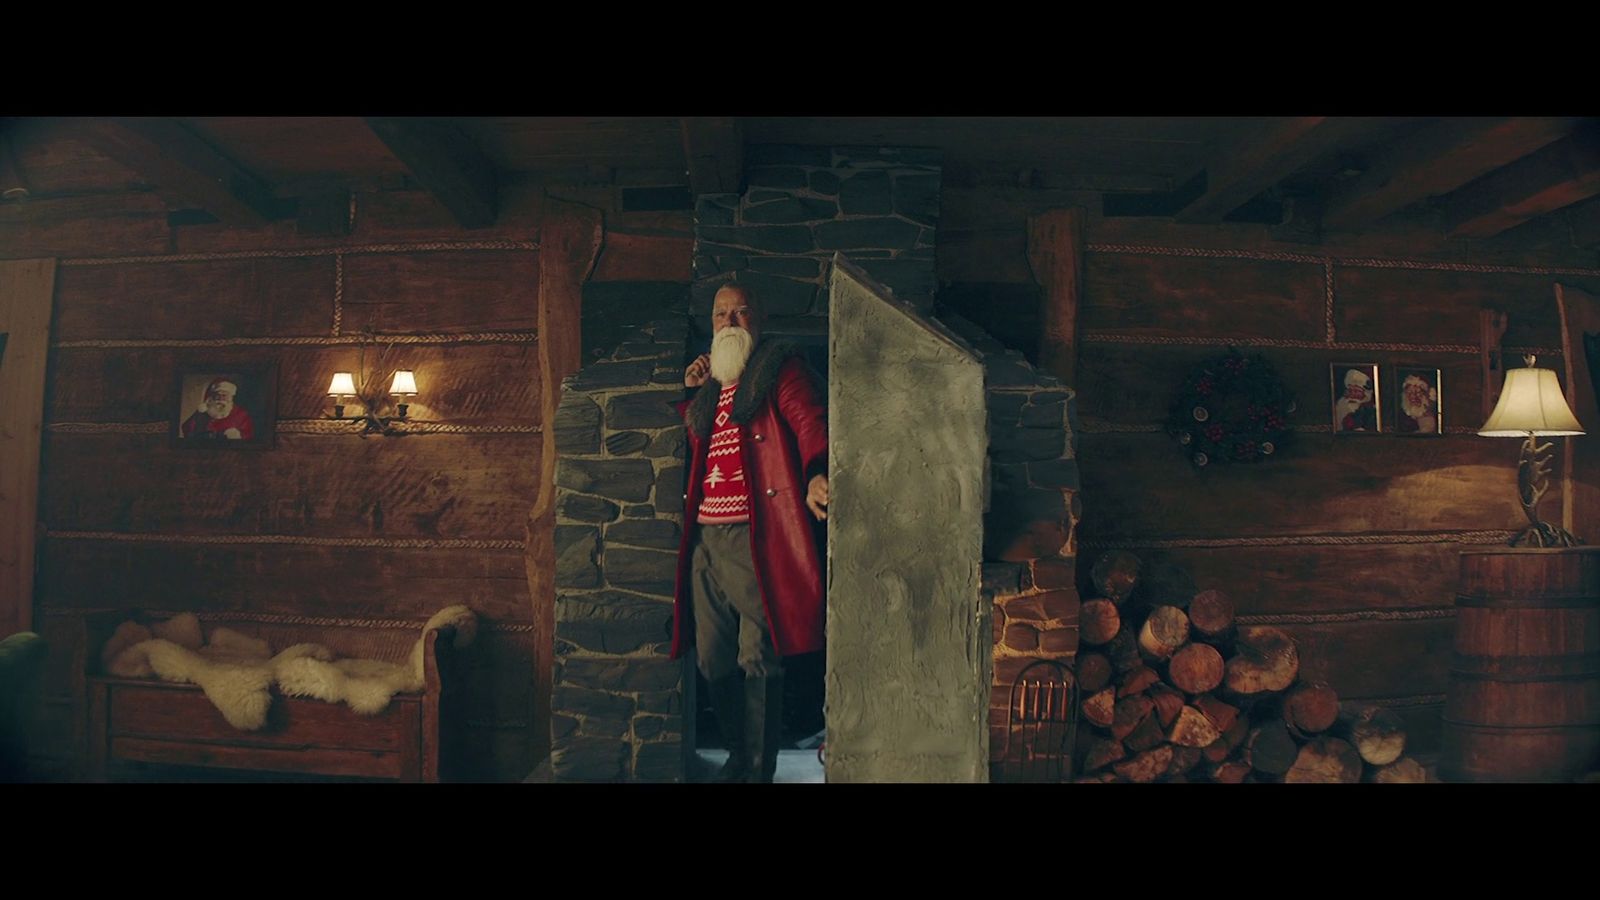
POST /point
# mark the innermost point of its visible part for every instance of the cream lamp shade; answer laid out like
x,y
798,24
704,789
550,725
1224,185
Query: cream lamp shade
x,y
343,385
1531,403
405,383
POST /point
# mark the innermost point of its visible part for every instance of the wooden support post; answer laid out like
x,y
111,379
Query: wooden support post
x,y
1491,330
1055,253
569,245
27,289
1580,482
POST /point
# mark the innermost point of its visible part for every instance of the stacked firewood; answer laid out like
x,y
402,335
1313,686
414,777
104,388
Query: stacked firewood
x,y
1173,690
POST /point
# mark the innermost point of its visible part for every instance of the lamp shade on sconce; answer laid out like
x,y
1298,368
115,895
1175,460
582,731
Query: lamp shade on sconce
x,y
1531,403
343,385
405,383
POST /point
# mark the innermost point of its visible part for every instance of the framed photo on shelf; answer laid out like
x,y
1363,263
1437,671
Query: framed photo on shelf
x,y
226,406
1418,401
1356,403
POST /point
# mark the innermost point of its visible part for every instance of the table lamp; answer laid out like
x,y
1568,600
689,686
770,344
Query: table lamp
x,y
1531,406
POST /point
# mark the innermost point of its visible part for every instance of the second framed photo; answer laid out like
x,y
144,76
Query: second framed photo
x,y
1355,398
1419,401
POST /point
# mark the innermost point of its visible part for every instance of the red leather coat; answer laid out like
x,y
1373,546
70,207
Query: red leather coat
x,y
783,441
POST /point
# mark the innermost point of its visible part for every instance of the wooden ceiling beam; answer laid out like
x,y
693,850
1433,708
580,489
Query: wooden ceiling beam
x,y
1561,174
1269,153
714,148
1435,161
184,169
1584,222
445,162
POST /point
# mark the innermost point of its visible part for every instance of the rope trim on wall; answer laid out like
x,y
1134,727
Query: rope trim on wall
x,y
1115,337
1198,252
289,539
299,426
1327,288
1309,540
465,337
330,426
1365,615
303,252
323,621
330,622
1090,425
1413,700
1359,262
107,427
338,292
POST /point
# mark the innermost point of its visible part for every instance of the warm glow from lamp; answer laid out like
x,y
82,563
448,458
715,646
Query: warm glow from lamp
x,y
1531,407
405,383
343,385
1531,403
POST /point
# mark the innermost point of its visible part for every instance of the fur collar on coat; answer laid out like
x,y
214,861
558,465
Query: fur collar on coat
x,y
759,378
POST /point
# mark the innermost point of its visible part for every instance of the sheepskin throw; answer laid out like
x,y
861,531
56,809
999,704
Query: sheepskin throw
x,y
237,672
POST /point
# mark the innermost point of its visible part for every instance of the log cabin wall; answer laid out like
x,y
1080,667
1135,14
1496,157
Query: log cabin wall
x,y
1350,544
326,526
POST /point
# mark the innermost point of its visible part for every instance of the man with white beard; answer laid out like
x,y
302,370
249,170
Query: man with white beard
x,y
749,588
219,417
1357,410
1420,402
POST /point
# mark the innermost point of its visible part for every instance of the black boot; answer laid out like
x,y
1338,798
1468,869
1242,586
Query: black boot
x,y
763,725
727,699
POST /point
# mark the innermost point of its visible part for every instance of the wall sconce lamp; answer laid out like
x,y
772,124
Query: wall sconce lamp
x,y
1531,406
343,388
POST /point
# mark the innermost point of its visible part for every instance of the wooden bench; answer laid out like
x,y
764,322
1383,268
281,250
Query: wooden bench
x,y
151,721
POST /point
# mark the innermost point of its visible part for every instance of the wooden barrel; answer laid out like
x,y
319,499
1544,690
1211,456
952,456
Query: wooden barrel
x,y
1523,702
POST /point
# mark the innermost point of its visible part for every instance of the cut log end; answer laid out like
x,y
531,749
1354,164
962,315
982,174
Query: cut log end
x,y
1211,613
1326,760
1266,660
1269,749
1094,672
1310,709
1100,708
1402,771
1378,734
1193,729
1196,669
1147,766
1098,621
1164,631
1116,574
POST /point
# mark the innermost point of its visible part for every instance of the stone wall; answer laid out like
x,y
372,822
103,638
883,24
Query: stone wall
x,y
1030,541
619,700
879,206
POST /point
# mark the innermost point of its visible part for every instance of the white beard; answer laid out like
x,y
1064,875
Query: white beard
x,y
1415,408
730,350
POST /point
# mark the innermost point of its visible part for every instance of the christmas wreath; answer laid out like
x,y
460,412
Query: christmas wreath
x,y
1232,409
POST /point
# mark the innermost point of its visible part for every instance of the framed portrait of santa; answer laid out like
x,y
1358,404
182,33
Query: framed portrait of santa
x,y
1418,401
1356,403
229,406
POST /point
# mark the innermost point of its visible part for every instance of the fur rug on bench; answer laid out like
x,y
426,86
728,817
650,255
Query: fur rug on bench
x,y
238,672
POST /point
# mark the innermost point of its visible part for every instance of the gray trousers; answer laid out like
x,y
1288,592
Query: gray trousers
x,y
730,625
